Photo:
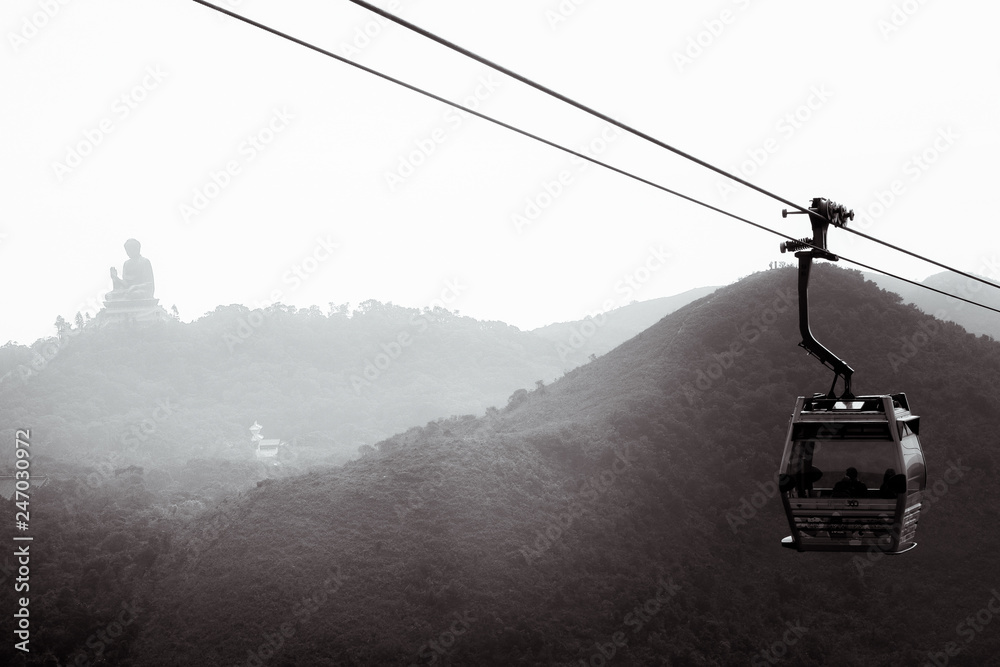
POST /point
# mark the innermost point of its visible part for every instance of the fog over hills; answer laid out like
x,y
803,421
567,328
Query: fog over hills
x,y
330,383
974,319
576,341
623,514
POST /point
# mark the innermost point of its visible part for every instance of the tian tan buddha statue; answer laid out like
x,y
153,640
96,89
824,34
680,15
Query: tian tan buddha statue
x,y
136,281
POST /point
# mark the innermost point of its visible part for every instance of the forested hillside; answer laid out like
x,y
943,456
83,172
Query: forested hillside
x,y
625,514
167,393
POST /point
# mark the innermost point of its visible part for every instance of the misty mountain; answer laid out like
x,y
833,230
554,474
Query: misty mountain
x,y
328,383
576,341
974,319
626,512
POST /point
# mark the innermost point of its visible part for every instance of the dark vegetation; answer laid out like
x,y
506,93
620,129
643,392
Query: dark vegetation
x,y
631,496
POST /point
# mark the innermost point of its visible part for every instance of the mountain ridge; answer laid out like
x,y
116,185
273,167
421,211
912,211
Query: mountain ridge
x,y
597,335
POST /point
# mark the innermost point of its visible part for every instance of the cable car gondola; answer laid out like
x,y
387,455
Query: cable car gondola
x,y
852,473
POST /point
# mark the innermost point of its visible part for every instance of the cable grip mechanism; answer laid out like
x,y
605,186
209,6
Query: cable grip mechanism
x,y
822,214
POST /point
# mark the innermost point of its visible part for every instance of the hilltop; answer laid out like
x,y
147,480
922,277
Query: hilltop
x,y
625,510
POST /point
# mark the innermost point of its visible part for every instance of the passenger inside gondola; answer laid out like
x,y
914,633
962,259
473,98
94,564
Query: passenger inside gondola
x,y
861,458
850,486
886,490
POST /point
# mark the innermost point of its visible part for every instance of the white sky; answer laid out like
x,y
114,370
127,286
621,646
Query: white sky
x,y
882,94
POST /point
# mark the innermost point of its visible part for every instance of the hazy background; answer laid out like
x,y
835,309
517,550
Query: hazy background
x,y
182,89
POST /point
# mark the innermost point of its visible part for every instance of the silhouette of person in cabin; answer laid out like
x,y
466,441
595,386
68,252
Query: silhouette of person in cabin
x,y
850,486
885,491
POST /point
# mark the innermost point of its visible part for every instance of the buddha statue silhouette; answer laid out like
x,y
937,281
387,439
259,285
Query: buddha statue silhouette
x,y
136,281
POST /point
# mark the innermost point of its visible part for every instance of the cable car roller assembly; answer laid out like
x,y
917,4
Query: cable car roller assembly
x,y
821,214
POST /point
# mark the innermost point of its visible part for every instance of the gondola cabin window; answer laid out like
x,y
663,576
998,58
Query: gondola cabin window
x,y
841,459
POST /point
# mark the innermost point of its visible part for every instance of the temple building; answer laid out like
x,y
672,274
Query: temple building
x,y
265,448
